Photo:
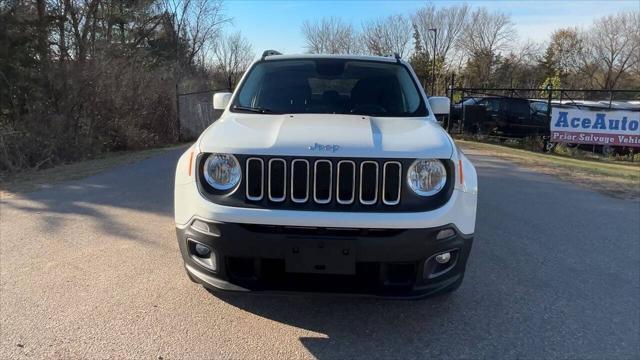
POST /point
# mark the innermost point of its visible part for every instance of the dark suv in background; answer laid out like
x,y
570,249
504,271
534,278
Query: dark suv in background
x,y
501,116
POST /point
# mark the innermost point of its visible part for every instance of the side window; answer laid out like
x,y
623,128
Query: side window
x,y
519,108
539,107
492,104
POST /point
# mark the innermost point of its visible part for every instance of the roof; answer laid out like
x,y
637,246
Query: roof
x,y
331,56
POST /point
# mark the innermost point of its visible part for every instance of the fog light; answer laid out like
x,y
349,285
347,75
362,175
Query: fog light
x,y
202,250
202,254
445,233
443,258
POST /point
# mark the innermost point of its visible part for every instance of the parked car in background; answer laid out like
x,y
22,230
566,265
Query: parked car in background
x,y
501,116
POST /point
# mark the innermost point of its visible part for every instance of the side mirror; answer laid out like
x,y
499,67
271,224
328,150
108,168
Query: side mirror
x,y
440,105
221,100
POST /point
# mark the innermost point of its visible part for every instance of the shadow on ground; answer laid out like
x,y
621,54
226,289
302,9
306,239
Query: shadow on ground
x,y
367,328
145,186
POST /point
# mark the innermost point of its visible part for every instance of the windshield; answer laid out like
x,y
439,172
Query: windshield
x,y
471,101
330,86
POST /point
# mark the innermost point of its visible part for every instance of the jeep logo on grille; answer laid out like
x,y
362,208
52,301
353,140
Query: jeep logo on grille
x,y
320,147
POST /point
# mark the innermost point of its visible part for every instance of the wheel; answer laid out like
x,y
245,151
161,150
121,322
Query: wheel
x,y
607,150
548,146
477,129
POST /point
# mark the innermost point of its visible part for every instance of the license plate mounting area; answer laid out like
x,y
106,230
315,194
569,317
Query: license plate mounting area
x,y
321,256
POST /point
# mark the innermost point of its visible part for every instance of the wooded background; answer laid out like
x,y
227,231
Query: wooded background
x,y
83,77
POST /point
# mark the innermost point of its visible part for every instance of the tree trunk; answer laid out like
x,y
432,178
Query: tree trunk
x,y
43,42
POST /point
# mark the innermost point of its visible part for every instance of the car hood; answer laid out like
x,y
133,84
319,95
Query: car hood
x,y
346,135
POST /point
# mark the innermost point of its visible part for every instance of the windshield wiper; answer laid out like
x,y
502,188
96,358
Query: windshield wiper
x,y
254,109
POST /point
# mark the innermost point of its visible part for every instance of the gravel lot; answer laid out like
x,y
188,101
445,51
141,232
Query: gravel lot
x,y
91,269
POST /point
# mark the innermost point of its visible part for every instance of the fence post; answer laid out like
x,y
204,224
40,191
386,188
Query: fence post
x,y
463,118
453,76
610,98
550,97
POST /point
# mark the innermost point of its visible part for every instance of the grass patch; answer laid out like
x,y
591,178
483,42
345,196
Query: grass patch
x,y
616,179
31,180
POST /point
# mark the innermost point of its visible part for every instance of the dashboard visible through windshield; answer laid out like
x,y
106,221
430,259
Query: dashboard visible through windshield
x,y
330,86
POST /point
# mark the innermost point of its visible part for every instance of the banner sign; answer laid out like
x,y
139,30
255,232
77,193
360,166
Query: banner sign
x,y
600,127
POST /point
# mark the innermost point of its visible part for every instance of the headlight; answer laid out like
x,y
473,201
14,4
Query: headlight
x,y
426,177
222,171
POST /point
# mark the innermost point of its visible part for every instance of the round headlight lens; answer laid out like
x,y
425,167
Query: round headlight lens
x,y
222,171
426,177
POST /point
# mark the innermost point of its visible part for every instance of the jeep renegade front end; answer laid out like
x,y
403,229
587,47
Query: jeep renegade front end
x,y
326,173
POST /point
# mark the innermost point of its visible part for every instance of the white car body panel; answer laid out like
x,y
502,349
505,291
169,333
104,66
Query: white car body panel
x,y
356,136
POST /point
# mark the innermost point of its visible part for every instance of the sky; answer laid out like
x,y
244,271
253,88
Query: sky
x,y
276,24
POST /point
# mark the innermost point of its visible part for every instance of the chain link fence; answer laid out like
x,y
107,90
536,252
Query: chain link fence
x,y
196,113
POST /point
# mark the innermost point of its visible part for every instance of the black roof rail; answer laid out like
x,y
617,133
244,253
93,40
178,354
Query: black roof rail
x,y
270,53
395,55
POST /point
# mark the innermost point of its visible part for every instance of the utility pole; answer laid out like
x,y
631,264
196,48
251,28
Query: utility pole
x,y
433,64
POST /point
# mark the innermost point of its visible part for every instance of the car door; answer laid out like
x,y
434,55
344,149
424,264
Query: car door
x,y
518,114
540,117
495,120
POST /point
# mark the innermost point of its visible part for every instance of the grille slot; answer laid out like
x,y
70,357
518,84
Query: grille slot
x,y
255,179
277,180
368,182
299,181
391,183
346,182
322,181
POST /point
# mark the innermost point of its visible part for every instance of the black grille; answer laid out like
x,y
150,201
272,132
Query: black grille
x,y
322,181
346,184
331,181
368,182
277,180
326,184
391,183
299,181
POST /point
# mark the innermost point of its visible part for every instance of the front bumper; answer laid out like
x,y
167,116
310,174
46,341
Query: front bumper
x,y
275,258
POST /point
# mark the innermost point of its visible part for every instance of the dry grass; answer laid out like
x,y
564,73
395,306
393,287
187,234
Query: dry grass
x,y
619,180
32,180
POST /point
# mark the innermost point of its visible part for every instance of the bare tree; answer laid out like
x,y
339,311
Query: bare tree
x,y
233,55
487,32
196,23
82,15
611,50
387,36
485,35
449,22
330,36
566,46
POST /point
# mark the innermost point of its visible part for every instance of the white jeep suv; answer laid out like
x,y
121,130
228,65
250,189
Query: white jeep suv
x,y
326,173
